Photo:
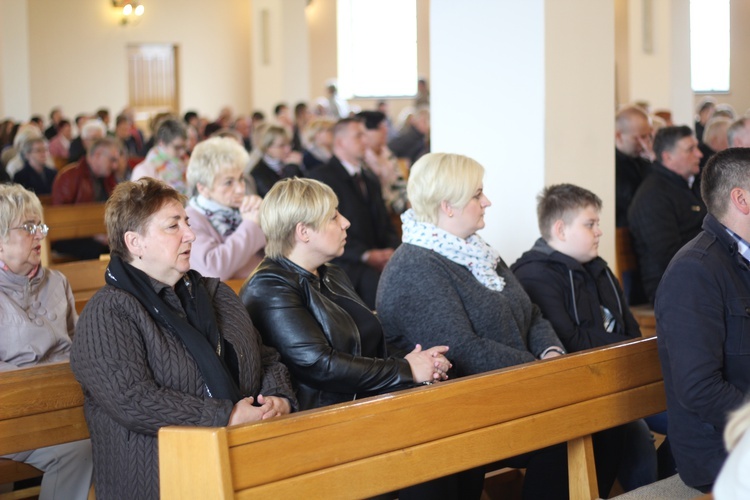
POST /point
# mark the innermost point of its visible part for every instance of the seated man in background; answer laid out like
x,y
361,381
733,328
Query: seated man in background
x,y
578,293
414,140
165,160
738,134
702,322
714,140
90,131
90,180
666,213
371,238
633,147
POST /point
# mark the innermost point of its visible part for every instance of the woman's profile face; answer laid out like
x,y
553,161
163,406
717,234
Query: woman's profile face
x,y
470,218
164,248
21,251
328,242
228,188
279,148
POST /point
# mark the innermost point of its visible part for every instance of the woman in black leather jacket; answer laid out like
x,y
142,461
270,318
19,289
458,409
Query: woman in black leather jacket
x,y
308,310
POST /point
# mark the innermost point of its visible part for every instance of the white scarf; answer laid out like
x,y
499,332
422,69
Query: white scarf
x,y
473,252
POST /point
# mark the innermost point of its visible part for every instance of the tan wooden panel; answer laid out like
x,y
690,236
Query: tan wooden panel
x,y
39,389
83,275
81,220
618,357
202,451
407,419
412,465
44,429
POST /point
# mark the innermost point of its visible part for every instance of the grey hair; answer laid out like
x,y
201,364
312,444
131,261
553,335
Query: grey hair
x,y
16,202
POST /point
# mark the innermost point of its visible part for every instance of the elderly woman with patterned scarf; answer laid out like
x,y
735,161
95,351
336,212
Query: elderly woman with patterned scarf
x,y
161,345
229,242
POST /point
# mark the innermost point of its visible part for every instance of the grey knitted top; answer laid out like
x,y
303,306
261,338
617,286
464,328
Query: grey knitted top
x,y
427,299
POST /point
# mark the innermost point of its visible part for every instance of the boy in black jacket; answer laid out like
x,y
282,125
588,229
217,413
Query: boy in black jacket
x,y
578,293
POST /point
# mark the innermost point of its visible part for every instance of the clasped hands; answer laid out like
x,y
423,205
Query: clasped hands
x,y
429,364
270,406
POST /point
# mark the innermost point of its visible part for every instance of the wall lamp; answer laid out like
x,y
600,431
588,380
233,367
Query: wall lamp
x,y
131,11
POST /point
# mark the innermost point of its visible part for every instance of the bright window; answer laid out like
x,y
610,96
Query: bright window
x,y
709,45
377,46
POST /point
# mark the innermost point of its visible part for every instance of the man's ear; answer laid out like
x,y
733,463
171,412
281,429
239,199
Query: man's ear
x,y
558,230
740,200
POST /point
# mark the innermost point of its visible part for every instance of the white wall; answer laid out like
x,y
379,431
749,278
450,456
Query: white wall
x,y
527,89
487,73
15,95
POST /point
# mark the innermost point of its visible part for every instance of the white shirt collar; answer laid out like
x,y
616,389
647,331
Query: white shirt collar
x,y
352,169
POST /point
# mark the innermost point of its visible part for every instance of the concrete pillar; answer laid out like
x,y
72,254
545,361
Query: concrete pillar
x,y
527,89
280,53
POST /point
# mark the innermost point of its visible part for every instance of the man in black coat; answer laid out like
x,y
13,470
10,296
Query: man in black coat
x,y
633,147
666,213
371,239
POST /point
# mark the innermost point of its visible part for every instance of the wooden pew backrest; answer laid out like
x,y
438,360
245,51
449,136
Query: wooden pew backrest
x,y
381,444
83,220
40,406
85,278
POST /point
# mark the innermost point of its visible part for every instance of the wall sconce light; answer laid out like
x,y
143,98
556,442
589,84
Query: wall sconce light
x,y
131,11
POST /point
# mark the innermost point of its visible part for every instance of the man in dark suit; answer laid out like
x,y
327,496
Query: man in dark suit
x,y
371,239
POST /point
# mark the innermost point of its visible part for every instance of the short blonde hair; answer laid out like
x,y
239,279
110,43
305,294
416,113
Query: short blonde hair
x,y
213,156
291,202
16,202
267,134
315,126
438,177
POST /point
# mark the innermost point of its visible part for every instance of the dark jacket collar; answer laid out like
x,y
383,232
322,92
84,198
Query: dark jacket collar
x,y
712,226
543,251
660,169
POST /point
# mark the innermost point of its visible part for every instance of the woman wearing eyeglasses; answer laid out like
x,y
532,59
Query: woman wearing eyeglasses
x,y
37,317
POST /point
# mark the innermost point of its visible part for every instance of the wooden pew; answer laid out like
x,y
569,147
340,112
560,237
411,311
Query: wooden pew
x,y
382,444
625,261
85,278
83,220
39,406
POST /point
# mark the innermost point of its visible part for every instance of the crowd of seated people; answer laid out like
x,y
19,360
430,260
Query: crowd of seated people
x,y
303,209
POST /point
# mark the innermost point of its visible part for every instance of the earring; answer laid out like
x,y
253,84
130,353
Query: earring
x,y
450,214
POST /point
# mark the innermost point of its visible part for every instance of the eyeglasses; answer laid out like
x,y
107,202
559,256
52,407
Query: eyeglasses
x,y
33,228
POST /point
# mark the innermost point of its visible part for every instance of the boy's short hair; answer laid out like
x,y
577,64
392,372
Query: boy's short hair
x,y
562,201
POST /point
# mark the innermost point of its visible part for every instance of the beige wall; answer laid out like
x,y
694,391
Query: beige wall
x,y
78,53
281,61
579,67
14,60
